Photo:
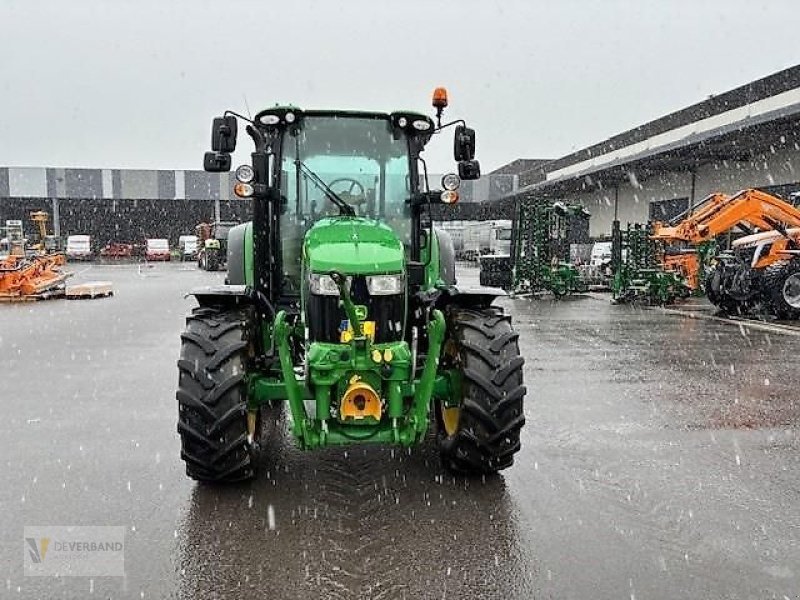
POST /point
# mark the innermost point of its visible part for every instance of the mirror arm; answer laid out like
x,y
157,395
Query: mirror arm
x,y
450,124
238,116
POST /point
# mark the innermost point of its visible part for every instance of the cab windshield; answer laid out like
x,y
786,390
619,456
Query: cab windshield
x,y
359,160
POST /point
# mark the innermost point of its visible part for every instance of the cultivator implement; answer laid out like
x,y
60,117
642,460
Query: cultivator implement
x,y
637,263
540,246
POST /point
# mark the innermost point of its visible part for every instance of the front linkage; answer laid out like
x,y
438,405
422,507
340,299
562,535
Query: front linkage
x,y
359,373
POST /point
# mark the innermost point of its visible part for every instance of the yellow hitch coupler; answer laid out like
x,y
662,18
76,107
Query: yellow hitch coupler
x,y
360,400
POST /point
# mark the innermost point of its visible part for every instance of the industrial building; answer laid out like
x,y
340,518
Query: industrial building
x,y
129,205
748,137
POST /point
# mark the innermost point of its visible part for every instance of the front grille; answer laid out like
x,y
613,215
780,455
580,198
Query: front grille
x,y
324,315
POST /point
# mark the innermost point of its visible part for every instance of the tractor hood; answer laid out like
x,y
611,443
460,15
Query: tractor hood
x,y
353,246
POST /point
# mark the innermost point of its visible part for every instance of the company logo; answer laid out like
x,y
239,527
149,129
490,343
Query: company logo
x,y
361,311
37,549
58,551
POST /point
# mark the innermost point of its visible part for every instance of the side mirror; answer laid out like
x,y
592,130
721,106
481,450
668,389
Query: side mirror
x,y
223,134
216,162
464,143
469,170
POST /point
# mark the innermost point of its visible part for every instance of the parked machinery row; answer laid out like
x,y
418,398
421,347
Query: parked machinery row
x,y
30,268
742,250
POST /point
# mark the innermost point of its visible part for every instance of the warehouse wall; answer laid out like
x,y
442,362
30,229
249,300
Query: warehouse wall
x,y
776,172
770,169
634,199
124,220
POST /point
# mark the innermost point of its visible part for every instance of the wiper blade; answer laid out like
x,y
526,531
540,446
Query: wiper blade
x,y
344,207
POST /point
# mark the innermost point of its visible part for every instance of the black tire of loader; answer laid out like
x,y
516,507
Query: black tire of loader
x,y
725,304
491,415
775,277
212,405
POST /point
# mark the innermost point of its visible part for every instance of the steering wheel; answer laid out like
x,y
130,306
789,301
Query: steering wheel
x,y
354,199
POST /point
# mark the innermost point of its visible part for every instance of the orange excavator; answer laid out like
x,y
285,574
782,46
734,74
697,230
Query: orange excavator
x,y
31,276
762,268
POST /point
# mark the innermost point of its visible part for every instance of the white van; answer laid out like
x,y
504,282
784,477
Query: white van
x,y
79,247
500,240
601,254
157,249
188,247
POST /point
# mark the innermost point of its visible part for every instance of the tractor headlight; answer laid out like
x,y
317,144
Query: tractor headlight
x,y
385,285
322,285
270,119
451,182
245,174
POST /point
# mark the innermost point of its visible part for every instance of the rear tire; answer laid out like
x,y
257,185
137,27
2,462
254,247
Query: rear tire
x,y
483,345
212,400
782,288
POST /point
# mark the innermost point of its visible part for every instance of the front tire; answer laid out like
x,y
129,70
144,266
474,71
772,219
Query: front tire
x,y
782,288
717,296
212,260
212,401
481,433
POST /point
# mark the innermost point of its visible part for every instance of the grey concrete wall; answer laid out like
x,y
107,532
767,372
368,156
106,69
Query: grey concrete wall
x,y
199,184
139,184
83,183
166,184
27,182
4,192
117,184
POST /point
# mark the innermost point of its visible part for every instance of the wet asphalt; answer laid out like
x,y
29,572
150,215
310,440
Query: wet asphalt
x,y
661,459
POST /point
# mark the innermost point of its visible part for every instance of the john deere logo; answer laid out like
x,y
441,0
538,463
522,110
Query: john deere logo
x,y
361,312
37,549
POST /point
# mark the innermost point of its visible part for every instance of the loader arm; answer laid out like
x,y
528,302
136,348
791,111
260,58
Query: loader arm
x,y
719,214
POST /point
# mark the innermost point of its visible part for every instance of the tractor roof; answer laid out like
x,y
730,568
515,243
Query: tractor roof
x,y
332,112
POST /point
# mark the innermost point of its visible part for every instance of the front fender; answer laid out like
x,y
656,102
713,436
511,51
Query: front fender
x,y
467,297
227,296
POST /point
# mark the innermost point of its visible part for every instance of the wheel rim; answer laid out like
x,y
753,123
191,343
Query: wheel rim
x,y
451,415
791,290
450,418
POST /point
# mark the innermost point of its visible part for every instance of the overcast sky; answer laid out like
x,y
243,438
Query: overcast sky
x,y
135,83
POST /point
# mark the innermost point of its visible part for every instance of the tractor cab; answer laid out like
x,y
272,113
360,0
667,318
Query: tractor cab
x,y
362,168
346,165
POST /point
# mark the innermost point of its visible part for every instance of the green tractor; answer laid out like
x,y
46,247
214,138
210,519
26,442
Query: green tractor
x,y
341,299
213,239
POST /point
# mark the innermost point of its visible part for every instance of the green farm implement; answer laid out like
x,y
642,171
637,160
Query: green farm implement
x,y
540,247
638,275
